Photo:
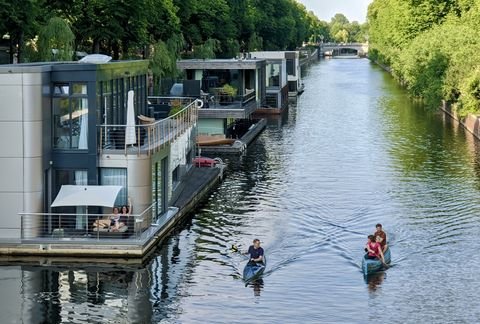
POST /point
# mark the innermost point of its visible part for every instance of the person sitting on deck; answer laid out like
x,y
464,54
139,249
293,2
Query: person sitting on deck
x,y
383,236
108,221
374,249
116,222
256,252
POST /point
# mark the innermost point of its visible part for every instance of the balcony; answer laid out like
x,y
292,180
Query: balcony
x,y
150,135
81,229
218,105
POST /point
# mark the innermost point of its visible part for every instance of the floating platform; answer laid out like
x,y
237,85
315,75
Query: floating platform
x,y
239,145
200,181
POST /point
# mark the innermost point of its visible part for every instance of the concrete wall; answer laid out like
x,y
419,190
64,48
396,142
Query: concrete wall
x,y
470,123
21,165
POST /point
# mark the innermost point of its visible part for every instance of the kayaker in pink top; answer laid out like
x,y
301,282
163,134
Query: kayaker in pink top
x,y
374,248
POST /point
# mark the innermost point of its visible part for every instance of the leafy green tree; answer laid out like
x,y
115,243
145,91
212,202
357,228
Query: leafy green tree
x,y
19,20
55,41
432,49
206,50
470,93
255,43
341,36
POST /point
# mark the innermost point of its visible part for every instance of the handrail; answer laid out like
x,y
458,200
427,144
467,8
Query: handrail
x,y
47,226
88,214
150,137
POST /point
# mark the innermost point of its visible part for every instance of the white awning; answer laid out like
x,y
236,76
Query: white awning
x,y
87,196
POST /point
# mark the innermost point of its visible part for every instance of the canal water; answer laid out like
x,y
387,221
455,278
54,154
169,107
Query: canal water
x,y
353,151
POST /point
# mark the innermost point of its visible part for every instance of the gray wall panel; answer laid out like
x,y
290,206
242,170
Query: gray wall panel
x,y
32,102
32,139
33,175
11,173
11,104
11,139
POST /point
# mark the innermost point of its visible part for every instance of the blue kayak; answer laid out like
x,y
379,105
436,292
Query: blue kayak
x,y
373,265
253,270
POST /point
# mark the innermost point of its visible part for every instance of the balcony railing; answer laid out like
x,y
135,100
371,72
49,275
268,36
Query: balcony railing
x,y
79,227
85,228
151,135
220,100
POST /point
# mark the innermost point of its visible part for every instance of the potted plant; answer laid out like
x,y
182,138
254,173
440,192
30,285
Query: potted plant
x,y
228,93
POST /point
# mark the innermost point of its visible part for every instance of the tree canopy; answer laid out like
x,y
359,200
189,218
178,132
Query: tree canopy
x,y
164,30
431,46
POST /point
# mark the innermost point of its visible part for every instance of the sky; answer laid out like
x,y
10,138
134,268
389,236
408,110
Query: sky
x,y
326,9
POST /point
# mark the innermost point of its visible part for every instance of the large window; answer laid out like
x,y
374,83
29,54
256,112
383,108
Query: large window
x,y
71,177
70,116
112,96
273,75
291,67
116,177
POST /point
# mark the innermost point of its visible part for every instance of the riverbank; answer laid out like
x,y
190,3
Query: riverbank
x,y
471,122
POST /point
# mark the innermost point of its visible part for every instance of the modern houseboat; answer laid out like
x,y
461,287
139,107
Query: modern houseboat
x,y
80,138
231,91
295,84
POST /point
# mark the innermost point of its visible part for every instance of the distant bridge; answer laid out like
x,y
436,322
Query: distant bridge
x,y
343,49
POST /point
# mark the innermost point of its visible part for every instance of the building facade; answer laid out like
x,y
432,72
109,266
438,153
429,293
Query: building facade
x,y
66,124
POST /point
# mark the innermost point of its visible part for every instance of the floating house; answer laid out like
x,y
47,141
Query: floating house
x,y
231,91
293,66
79,138
276,84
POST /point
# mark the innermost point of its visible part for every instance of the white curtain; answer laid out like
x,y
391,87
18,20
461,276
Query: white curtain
x,y
81,179
130,134
83,140
115,177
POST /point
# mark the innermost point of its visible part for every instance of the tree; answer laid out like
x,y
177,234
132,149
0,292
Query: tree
x,y
19,20
432,48
341,36
55,41
206,50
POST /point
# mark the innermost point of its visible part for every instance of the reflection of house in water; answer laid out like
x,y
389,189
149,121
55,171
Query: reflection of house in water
x,y
54,291
232,90
66,124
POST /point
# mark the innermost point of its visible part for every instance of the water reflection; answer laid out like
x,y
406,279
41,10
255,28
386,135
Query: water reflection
x,y
375,280
257,287
353,152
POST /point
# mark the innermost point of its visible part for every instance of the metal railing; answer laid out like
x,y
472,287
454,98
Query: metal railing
x,y
84,228
221,100
151,135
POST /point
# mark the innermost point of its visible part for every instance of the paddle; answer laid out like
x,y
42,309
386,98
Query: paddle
x,y
386,266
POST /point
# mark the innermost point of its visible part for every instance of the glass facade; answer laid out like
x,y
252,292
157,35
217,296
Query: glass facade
x,y
71,177
70,116
113,99
273,75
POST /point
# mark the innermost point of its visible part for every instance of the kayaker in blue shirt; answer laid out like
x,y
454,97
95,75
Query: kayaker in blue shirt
x,y
256,252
